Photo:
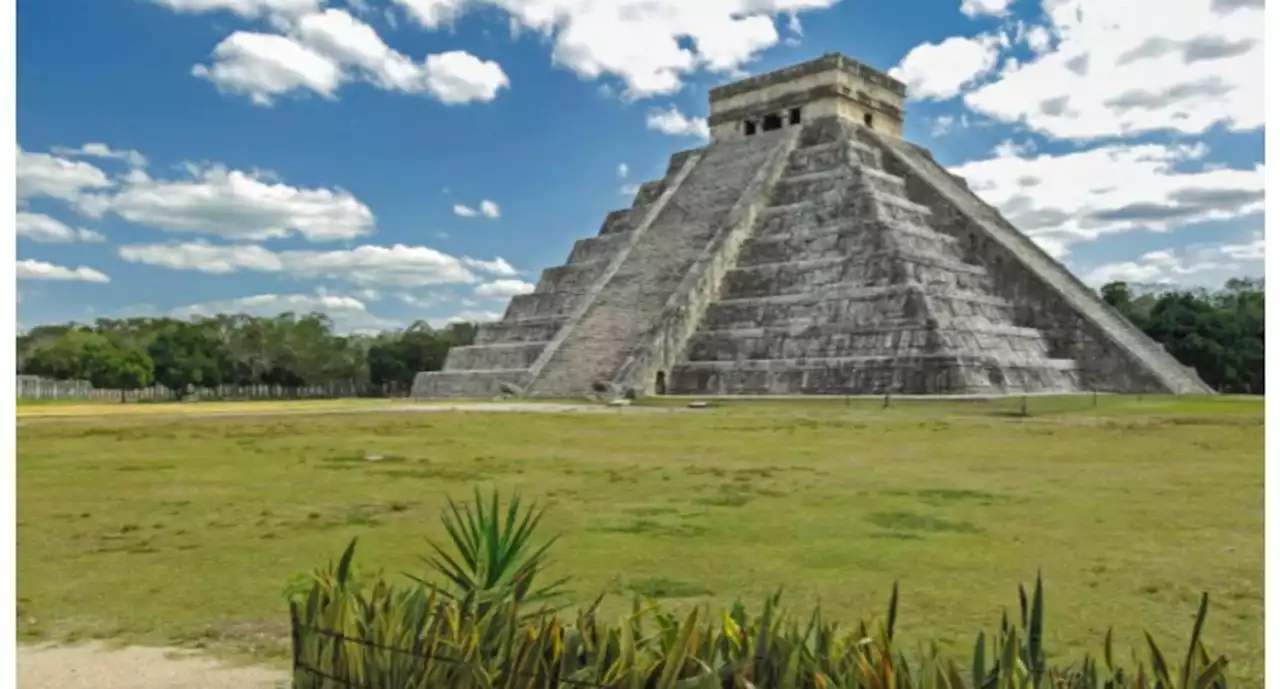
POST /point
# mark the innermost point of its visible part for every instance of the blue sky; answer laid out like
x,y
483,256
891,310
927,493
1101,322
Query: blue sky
x,y
390,160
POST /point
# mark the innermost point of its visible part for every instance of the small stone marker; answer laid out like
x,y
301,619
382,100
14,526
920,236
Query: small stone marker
x,y
699,405
622,402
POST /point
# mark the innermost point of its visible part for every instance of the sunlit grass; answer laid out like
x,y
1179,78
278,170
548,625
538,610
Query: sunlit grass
x,y
187,529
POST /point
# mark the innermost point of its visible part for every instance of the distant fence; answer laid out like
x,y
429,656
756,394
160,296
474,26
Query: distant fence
x,y
36,388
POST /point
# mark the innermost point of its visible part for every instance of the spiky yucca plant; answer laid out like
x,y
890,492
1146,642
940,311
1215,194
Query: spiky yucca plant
x,y
493,558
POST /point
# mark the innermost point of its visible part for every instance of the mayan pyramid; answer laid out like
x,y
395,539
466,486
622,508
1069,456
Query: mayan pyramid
x,y
808,249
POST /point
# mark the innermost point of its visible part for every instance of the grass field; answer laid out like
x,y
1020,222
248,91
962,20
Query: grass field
x,y
161,528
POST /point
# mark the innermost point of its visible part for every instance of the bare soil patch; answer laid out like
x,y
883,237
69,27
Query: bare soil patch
x,y
97,666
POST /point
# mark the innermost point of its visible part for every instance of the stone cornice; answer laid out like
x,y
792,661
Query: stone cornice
x,y
825,63
799,98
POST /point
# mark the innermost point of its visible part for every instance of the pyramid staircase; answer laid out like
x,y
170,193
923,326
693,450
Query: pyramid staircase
x,y
845,289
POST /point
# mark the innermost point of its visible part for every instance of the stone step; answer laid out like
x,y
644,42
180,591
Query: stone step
x,y
573,277
846,238
825,156
1119,350
859,292
858,305
893,207
541,305
466,384
485,357
646,195
841,340
634,295
522,330
884,267
808,184
940,374
600,248
616,222
795,188
841,205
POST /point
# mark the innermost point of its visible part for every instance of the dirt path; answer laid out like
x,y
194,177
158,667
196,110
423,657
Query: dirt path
x,y
94,666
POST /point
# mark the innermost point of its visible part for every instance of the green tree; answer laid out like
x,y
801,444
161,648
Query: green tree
x,y
117,368
62,357
1219,333
186,355
287,350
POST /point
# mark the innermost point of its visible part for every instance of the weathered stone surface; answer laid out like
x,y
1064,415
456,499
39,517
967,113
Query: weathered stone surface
x,y
630,303
822,258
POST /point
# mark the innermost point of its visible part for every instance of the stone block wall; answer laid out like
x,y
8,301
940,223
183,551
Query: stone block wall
x,y
1111,353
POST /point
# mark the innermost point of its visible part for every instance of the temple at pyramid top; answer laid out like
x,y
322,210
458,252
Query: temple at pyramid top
x,y
833,85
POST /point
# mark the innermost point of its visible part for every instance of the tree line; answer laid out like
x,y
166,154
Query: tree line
x,y
289,351
1218,332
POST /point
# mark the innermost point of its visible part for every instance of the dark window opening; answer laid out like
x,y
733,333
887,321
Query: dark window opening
x,y
866,119
749,128
660,383
795,115
772,122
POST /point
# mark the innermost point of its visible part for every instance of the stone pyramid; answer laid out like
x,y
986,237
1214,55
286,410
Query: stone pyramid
x,y
807,250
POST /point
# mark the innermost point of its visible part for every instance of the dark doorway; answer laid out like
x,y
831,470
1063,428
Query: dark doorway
x,y
866,119
772,122
749,128
795,115
660,383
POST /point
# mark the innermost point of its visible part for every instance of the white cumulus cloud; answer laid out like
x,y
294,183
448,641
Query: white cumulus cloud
x,y
1128,68
42,174
42,228
487,208
31,269
942,70
240,205
672,121
1060,200
497,266
99,150
974,8
652,44
204,257
264,66
1200,265
366,265
321,51
431,14
347,313
503,289
211,199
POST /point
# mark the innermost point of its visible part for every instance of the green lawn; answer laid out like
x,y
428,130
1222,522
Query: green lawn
x,y
163,529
